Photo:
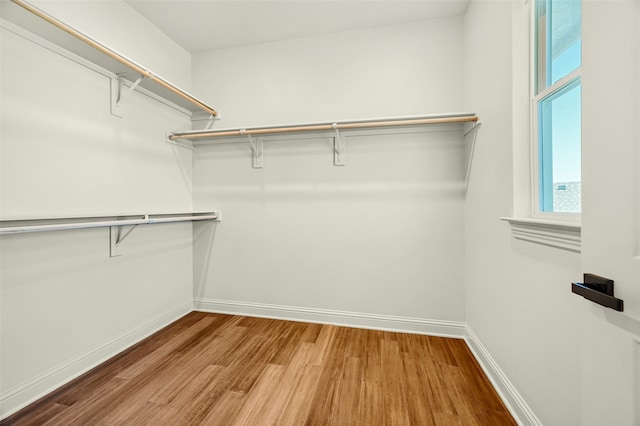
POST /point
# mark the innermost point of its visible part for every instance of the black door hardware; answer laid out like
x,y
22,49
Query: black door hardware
x,y
598,290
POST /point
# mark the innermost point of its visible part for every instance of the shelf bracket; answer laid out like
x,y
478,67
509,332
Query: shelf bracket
x,y
257,150
212,119
339,147
204,120
117,237
118,93
470,150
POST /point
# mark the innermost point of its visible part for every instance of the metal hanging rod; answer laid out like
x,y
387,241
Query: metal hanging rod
x,y
60,224
116,56
407,121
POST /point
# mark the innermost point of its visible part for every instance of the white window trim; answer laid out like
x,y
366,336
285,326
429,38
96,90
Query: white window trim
x,y
534,143
560,234
559,230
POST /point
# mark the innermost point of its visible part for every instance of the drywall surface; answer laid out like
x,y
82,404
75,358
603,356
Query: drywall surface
x,y
65,304
386,71
518,299
120,27
64,154
382,235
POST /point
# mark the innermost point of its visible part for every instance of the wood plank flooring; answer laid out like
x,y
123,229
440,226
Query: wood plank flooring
x,y
214,369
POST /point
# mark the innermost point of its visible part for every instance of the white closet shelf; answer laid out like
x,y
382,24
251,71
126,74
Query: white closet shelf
x,y
59,224
339,139
40,23
327,126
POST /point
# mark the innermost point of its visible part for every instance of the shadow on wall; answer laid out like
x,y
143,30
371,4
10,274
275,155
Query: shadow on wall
x,y
204,235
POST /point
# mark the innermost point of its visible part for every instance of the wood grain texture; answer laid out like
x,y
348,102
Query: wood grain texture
x,y
214,369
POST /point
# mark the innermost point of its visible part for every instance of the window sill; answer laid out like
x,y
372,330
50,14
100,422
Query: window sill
x,y
562,235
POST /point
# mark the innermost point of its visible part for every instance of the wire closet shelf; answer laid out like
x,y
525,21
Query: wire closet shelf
x,y
326,126
60,224
52,29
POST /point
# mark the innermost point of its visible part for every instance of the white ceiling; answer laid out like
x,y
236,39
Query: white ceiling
x,y
214,24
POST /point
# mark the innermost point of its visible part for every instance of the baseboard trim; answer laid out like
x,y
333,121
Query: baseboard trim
x,y
512,399
453,329
22,395
19,397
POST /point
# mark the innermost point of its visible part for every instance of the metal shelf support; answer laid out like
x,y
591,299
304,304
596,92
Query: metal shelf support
x,y
114,223
339,147
257,151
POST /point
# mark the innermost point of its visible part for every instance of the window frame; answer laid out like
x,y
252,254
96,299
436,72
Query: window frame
x,y
535,99
561,231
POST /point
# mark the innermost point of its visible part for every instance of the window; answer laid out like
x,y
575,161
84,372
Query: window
x,y
557,108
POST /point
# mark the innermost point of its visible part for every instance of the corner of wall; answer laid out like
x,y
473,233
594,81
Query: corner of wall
x,y
515,403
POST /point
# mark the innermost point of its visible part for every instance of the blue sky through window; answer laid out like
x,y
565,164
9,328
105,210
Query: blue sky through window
x,y
560,143
566,133
558,55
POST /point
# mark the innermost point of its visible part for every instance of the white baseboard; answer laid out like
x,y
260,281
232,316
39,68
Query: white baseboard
x,y
507,391
20,396
454,329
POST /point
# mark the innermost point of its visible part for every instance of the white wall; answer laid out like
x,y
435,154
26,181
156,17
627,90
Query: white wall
x,y
65,304
518,299
405,69
387,236
119,26
382,235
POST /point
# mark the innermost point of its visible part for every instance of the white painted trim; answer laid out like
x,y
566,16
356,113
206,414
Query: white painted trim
x,y
455,329
24,394
558,85
563,235
515,403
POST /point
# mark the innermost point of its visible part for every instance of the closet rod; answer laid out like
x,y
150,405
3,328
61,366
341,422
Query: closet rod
x,y
113,55
140,220
325,126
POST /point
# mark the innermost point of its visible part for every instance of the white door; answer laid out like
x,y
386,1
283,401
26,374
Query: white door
x,y
611,209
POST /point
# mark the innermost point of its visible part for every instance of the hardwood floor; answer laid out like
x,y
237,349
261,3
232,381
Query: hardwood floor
x,y
216,369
